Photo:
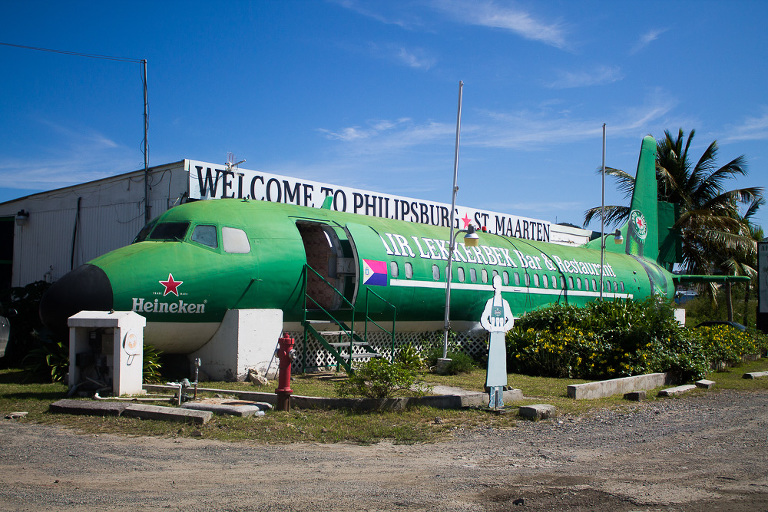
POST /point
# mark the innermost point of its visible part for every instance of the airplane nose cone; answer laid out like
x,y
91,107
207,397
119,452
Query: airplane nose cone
x,y
85,288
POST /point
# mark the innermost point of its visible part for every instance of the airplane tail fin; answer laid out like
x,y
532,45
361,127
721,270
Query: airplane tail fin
x,y
642,229
640,233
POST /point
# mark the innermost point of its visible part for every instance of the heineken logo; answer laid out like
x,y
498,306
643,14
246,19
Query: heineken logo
x,y
637,220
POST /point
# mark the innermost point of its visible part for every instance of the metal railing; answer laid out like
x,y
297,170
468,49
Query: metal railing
x,y
387,304
344,330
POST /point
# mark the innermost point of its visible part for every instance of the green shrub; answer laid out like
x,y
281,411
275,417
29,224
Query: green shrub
x,y
152,369
410,357
378,378
460,363
617,339
48,362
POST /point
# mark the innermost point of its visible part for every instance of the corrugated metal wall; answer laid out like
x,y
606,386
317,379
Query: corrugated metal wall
x,y
60,235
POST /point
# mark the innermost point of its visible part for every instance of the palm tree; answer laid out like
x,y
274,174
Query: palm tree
x,y
709,221
743,262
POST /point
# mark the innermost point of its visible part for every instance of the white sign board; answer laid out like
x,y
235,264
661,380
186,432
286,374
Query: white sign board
x,y
212,181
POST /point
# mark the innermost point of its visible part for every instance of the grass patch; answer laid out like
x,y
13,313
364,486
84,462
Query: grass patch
x,y
417,425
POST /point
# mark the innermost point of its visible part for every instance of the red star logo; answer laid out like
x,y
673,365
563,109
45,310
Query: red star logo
x,y
467,221
171,286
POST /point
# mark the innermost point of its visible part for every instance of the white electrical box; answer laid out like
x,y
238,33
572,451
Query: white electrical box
x,y
106,350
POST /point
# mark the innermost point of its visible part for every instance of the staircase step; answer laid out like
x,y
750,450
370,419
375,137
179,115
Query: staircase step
x,y
362,355
354,344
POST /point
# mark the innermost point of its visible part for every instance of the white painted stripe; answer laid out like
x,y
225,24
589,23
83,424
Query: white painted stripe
x,y
410,283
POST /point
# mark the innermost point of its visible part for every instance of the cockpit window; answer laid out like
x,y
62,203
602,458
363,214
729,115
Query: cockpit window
x,y
145,231
235,241
206,235
175,231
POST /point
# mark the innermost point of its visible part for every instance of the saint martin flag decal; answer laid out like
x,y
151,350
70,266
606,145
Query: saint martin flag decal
x,y
375,273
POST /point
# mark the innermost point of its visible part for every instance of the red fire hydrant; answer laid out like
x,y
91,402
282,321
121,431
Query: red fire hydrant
x,y
285,355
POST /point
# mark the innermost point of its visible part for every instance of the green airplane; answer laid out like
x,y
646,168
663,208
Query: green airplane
x,y
193,263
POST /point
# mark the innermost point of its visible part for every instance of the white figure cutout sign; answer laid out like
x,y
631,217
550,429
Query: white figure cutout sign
x,y
497,319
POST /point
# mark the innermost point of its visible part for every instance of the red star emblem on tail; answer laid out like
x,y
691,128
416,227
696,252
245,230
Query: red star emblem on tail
x,y
171,286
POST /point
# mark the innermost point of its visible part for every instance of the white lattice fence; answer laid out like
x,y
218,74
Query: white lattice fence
x,y
473,344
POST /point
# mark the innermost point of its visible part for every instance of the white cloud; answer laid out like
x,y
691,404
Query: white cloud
x,y
487,13
417,59
385,135
598,76
535,131
483,13
647,39
81,155
752,128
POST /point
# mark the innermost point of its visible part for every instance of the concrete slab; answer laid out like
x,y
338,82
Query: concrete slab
x,y
705,384
537,411
603,388
158,412
677,390
88,407
635,396
755,375
244,411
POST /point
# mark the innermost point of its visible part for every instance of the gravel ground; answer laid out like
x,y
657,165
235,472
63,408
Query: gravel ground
x,y
698,453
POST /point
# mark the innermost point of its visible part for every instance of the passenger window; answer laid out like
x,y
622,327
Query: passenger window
x,y
622,286
435,272
206,235
554,281
607,286
578,283
505,278
517,279
235,241
473,275
586,283
484,275
594,284
460,271
408,270
527,280
615,286
536,280
394,269
562,282
570,282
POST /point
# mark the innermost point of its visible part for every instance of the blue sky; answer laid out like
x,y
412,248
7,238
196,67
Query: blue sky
x,y
364,93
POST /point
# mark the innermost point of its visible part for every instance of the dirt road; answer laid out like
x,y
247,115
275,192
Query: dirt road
x,y
702,453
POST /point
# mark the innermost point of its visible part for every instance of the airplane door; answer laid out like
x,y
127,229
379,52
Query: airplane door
x,y
330,253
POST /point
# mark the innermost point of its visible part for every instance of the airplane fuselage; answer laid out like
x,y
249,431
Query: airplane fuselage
x,y
200,259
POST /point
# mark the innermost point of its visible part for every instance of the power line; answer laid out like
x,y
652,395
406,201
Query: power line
x,y
145,141
77,54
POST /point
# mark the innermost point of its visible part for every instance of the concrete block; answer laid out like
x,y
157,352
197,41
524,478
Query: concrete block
x,y
755,375
705,384
635,396
537,411
677,390
603,388
246,339
243,411
68,406
158,412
